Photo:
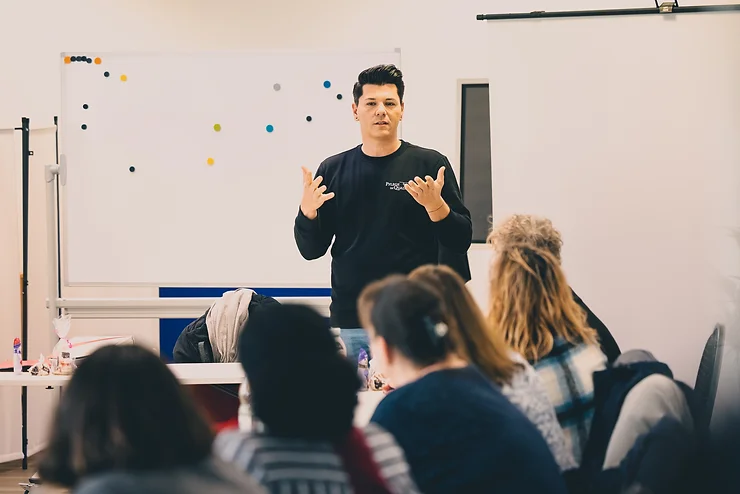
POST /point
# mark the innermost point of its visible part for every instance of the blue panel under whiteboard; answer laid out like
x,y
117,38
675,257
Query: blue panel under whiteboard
x,y
185,169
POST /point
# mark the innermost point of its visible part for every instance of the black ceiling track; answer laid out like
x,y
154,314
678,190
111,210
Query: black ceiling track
x,y
666,8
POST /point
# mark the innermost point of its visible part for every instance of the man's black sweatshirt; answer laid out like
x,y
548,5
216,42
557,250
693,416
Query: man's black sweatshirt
x,y
377,227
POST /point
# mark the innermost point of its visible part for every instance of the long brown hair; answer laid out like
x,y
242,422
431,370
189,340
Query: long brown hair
x,y
123,409
369,295
472,339
531,302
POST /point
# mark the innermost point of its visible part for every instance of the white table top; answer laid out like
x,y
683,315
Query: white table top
x,y
197,374
231,373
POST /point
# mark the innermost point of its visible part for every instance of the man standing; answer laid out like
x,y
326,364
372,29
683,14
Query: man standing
x,y
388,205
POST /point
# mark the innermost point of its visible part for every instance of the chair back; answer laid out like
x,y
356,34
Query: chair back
x,y
707,379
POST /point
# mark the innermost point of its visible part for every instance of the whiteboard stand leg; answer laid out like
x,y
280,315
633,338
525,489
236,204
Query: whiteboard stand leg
x,y
51,175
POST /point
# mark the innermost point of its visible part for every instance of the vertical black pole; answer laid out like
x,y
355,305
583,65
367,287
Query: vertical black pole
x,y
59,230
25,129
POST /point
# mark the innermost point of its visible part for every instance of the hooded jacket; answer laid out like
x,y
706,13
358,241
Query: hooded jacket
x,y
194,345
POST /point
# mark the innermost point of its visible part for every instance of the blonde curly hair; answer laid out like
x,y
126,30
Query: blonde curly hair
x,y
528,229
531,302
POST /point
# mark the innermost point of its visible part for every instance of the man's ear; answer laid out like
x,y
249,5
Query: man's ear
x,y
354,111
387,353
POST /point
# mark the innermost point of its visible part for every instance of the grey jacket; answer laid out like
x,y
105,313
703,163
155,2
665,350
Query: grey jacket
x,y
211,477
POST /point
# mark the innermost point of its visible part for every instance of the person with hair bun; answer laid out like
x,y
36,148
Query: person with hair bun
x,y
303,395
459,432
487,349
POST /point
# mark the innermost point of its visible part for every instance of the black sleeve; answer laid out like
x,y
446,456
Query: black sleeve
x,y
608,344
313,237
455,231
186,350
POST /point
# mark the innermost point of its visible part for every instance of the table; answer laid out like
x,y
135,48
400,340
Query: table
x,y
231,373
194,374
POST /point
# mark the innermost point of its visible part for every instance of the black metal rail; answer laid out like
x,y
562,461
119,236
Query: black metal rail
x,y
666,8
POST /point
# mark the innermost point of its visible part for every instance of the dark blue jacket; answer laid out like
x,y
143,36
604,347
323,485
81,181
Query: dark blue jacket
x,y
461,435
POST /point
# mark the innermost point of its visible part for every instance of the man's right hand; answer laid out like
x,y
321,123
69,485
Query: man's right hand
x,y
313,195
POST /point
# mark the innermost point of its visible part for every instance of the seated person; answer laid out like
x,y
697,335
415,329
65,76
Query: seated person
x,y
124,424
303,395
213,336
488,351
459,432
539,232
532,307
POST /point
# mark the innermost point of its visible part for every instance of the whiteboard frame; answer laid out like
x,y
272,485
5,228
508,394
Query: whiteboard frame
x,y
153,308
63,242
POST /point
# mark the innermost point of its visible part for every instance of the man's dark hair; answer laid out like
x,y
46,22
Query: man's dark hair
x,y
123,409
379,76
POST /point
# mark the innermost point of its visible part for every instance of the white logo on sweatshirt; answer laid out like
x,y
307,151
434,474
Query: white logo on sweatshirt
x,y
395,185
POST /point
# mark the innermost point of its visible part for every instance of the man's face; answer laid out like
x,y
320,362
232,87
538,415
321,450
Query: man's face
x,y
379,112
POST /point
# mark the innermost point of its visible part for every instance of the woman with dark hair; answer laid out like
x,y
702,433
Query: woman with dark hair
x,y
124,424
303,395
459,432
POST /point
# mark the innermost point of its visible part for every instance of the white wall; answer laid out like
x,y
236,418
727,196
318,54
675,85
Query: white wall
x,y
643,187
441,43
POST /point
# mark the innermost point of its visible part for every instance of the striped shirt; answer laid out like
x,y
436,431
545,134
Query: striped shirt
x,y
295,466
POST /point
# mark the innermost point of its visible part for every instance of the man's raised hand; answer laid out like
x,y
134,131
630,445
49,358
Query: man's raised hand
x,y
313,195
428,192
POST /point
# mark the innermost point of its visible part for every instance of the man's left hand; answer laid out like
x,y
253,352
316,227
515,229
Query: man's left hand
x,y
428,192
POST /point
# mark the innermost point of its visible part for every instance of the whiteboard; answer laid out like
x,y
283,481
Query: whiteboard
x,y
185,169
625,131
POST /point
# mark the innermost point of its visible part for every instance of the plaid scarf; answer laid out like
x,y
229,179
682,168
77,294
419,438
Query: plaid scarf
x,y
567,373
